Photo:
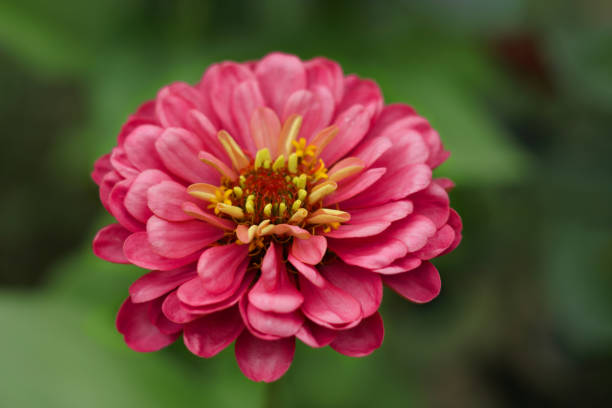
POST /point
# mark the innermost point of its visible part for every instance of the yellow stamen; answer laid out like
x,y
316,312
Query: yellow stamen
x,y
302,180
261,156
282,207
289,133
327,216
203,191
231,210
298,216
234,152
296,204
238,192
345,168
302,194
293,163
322,190
267,210
279,163
249,206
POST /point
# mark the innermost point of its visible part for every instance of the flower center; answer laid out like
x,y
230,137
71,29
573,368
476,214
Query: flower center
x,y
280,195
276,191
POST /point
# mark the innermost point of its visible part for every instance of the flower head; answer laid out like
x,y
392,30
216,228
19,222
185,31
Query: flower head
x,y
271,201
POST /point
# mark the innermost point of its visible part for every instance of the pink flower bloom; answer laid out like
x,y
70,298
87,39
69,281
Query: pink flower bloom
x,y
272,201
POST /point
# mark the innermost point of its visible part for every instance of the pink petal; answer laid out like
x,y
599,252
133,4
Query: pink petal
x,y
372,221
180,312
140,147
354,186
116,205
314,335
262,360
106,186
136,198
174,101
366,229
274,292
362,339
195,211
353,125
159,320
176,312
122,164
246,99
145,115
316,108
444,182
362,284
308,271
102,167
370,150
420,285
194,293
437,154
138,331
413,231
310,250
139,252
394,185
368,253
392,114
158,283
222,79
438,243
108,243
360,91
209,335
271,323
178,149
243,306
219,265
166,199
280,75
180,239
326,73
218,164
455,222
265,128
433,203
201,125
407,263
329,306
388,212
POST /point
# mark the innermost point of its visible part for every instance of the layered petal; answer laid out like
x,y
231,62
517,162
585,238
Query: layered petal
x,y
158,283
139,332
274,292
362,339
136,202
210,334
279,76
180,239
420,285
178,150
108,243
262,360
139,252
219,265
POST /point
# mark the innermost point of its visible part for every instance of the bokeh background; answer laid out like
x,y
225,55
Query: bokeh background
x,y
521,93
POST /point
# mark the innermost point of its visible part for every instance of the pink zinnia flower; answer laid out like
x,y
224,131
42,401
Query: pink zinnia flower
x,y
272,200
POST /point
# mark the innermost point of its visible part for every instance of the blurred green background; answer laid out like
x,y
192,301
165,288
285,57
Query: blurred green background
x,y
521,93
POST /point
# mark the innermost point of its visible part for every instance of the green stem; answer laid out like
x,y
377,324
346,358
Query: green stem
x,y
272,395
